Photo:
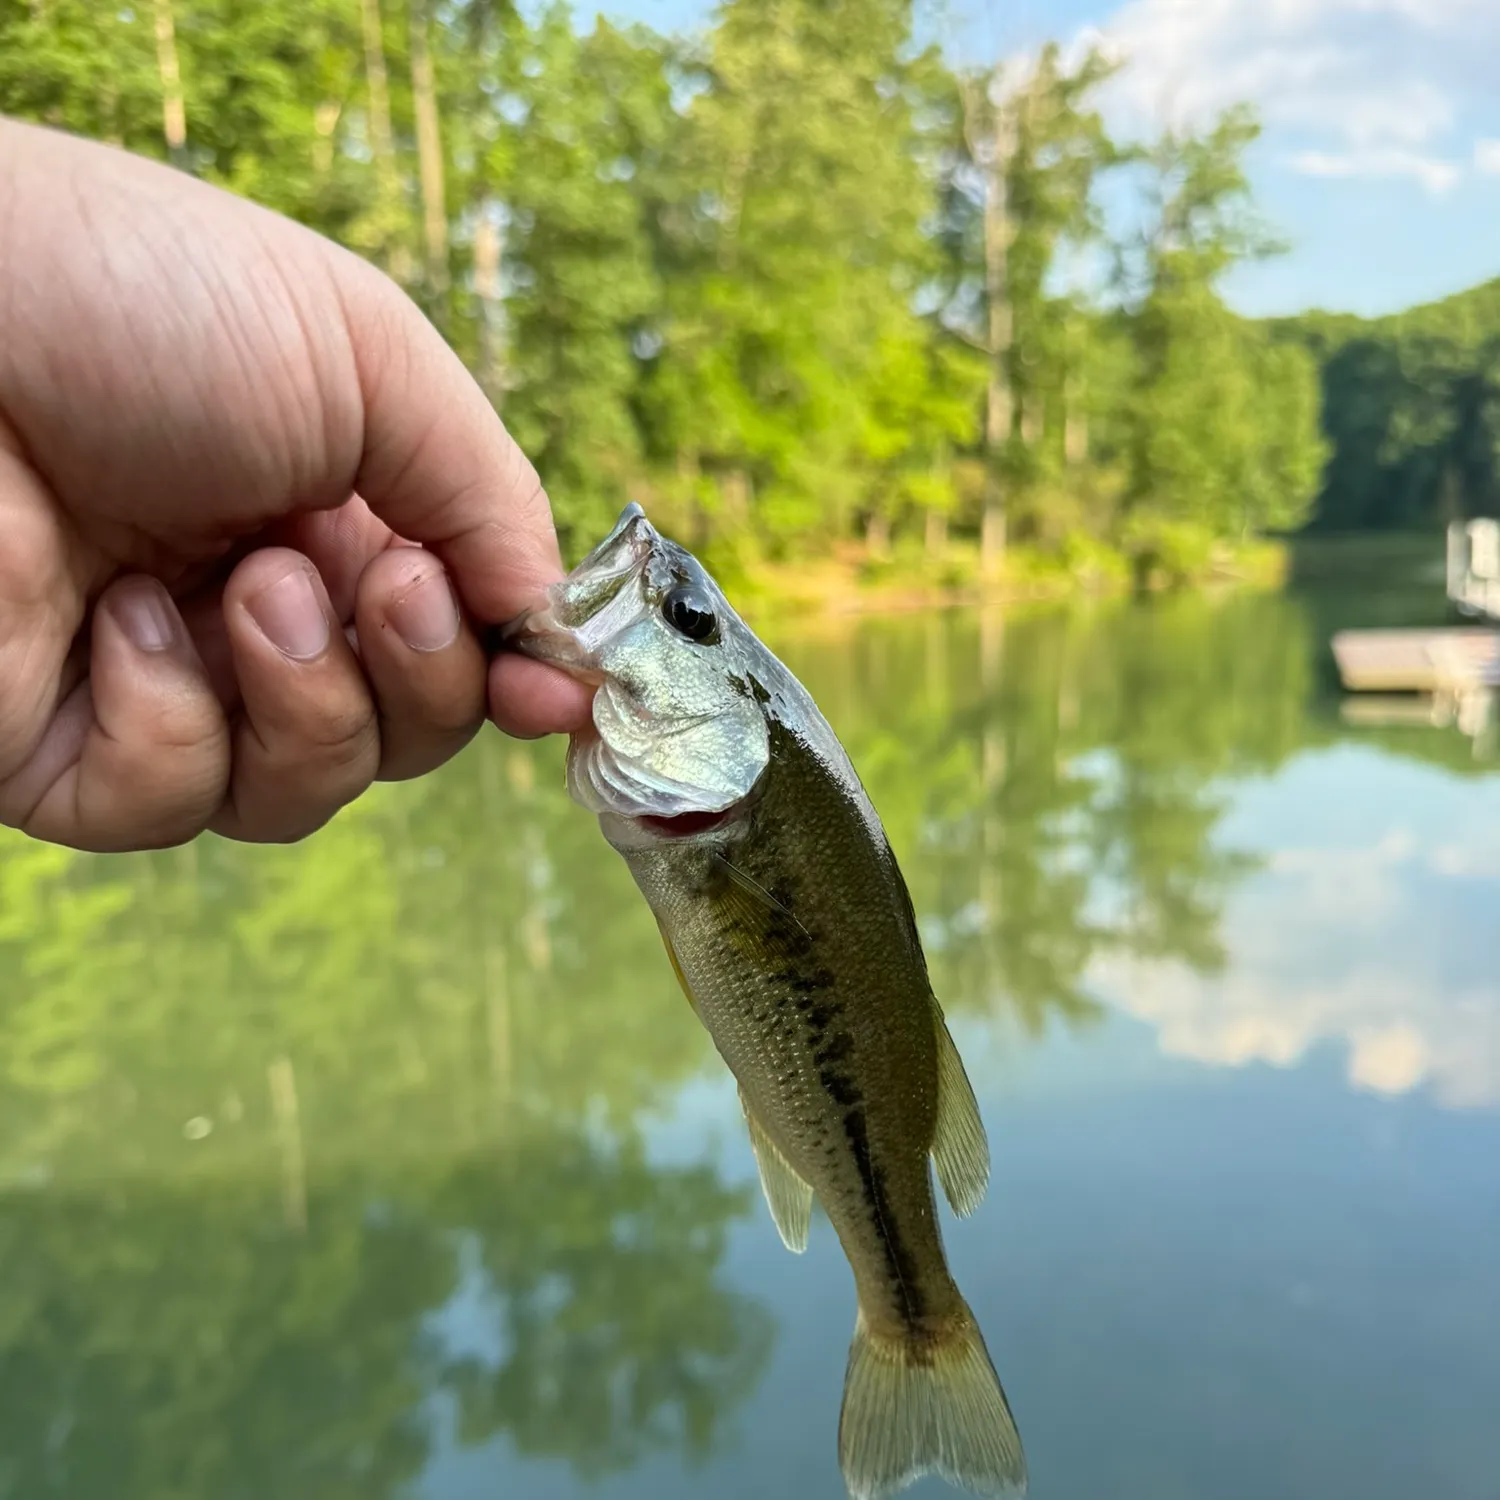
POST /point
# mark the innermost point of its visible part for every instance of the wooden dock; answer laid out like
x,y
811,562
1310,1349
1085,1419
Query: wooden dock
x,y
1417,661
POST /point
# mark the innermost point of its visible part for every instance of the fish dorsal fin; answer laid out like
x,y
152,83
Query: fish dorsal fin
x,y
960,1150
787,1196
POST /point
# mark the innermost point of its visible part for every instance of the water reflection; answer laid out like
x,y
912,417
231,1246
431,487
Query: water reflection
x,y
1364,928
320,1166
265,1113
165,1338
1055,787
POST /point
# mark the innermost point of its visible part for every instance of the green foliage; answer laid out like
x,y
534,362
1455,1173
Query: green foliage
x,y
587,160
788,282
1221,433
795,253
1411,407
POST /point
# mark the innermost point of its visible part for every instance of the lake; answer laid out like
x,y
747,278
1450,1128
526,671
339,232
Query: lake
x,y
396,1166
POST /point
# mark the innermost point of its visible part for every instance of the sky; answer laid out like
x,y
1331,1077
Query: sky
x,y
1380,161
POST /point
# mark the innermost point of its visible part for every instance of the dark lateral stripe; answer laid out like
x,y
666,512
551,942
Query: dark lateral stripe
x,y
904,1271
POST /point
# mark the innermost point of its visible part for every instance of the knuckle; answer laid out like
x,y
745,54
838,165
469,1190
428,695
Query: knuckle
x,y
187,729
341,737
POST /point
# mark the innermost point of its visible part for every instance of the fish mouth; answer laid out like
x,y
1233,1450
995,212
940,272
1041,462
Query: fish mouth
x,y
686,825
583,610
645,831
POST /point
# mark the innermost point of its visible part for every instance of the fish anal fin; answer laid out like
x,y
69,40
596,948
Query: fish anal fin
x,y
787,1196
923,1405
960,1150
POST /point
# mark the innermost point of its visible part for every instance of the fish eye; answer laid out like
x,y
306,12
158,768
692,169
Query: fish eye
x,y
690,612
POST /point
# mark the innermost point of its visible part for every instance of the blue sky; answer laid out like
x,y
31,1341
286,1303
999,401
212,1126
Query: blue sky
x,y
1380,161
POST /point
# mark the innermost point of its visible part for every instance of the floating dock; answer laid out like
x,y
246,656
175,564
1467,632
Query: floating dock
x,y
1417,661
1437,677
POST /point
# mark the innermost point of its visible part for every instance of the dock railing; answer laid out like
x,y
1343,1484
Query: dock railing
x,y
1474,567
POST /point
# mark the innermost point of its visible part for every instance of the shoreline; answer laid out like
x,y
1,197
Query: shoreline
x,y
849,582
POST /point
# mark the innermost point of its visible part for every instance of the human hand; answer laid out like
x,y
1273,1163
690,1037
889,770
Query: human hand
x,y
239,472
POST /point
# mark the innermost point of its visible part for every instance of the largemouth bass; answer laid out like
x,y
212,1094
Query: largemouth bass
x,y
790,929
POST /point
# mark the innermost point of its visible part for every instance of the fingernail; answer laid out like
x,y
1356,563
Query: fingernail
x,y
426,614
144,611
290,616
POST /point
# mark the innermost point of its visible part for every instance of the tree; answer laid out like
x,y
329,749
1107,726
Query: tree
x,y
1411,408
1033,146
590,133
795,253
1222,436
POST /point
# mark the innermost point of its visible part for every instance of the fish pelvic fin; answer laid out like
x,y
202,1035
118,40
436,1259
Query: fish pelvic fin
x,y
787,1196
960,1149
676,965
922,1405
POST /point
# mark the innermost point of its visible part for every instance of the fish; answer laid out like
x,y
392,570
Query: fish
x,y
791,931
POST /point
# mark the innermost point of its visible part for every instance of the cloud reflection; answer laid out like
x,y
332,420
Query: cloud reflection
x,y
1383,946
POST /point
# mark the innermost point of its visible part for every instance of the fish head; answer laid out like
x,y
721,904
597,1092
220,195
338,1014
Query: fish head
x,y
680,725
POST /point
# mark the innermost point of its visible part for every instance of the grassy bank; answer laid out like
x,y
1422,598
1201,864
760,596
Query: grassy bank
x,y
846,578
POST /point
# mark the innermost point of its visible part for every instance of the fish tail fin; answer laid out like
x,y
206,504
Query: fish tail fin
x,y
917,1405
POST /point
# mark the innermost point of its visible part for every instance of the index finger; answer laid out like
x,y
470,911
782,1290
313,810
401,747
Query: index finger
x,y
439,468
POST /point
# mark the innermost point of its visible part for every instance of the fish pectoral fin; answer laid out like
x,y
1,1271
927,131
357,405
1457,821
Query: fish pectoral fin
x,y
787,1196
676,965
960,1150
758,895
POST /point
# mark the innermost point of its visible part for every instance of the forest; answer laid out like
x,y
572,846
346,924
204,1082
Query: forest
x,y
1411,405
799,284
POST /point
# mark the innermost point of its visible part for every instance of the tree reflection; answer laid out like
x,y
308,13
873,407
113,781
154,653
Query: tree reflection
x,y
601,1283
1052,781
259,1106
164,1340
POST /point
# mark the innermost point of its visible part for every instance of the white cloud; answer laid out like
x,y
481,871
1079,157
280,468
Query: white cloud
x,y
1346,88
1487,157
1435,174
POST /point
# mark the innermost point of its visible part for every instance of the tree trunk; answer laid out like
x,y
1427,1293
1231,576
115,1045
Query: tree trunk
x,y
489,246
689,475
429,151
992,765
173,110
1450,494
1075,428
285,1112
325,122
999,408
935,534
1033,420
109,113
382,149
735,488
878,535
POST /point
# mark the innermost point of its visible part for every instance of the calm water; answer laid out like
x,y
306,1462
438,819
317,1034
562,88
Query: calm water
x,y
396,1165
